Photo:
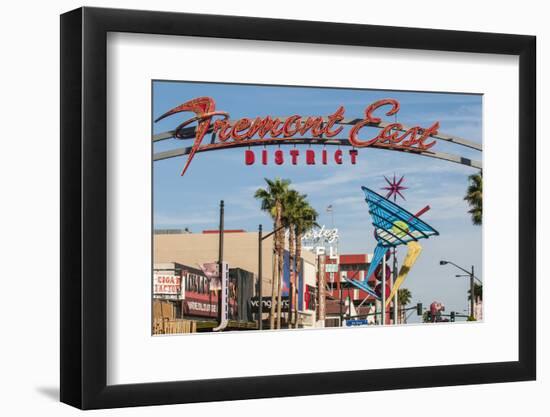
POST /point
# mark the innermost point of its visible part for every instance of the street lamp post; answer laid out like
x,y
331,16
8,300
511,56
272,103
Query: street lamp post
x,y
471,275
472,296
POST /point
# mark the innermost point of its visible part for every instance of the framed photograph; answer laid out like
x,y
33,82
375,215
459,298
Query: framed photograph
x,y
257,208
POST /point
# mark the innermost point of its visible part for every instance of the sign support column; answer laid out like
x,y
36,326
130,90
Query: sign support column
x,y
394,278
472,295
383,307
260,313
222,274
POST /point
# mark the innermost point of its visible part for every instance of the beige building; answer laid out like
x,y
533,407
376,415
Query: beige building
x,y
240,250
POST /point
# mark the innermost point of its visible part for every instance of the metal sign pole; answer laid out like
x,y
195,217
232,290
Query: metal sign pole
x,y
383,311
260,304
222,274
394,278
220,262
341,303
472,296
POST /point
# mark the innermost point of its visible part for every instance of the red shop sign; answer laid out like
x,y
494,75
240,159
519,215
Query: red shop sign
x,y
200,307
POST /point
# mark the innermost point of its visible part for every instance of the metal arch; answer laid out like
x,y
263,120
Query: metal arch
x,y
305,141
189,133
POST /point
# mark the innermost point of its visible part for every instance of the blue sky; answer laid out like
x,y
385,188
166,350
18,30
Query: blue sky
x,y
192,200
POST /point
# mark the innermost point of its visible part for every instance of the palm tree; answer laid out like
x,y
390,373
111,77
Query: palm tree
x,y
298,217
272,198
403,298
291,206
474,197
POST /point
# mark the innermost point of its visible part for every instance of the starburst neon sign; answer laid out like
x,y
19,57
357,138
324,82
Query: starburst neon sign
x,y
394,187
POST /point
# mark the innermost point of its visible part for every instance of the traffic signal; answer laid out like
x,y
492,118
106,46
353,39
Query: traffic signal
x,y
453,316
428,317
419,309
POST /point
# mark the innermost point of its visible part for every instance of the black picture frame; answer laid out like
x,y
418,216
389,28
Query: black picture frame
x,y
84,207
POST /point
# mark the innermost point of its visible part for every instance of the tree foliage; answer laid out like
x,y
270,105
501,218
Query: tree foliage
x,y
474,197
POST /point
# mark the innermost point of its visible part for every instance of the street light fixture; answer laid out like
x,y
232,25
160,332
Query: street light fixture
x,y
471,275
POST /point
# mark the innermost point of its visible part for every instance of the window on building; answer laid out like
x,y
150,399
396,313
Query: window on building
x,y
354,267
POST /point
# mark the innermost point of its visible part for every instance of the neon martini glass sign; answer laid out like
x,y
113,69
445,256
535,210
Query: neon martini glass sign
x,y
266,129
394,226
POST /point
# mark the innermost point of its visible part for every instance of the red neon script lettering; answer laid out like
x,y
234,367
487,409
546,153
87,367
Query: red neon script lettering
x,y
234,132
204,108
